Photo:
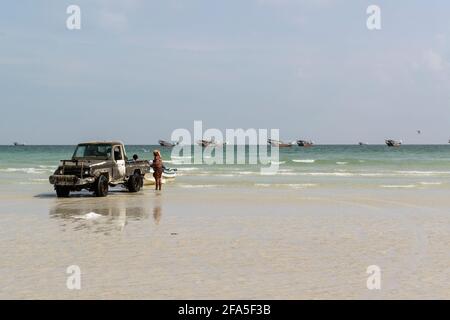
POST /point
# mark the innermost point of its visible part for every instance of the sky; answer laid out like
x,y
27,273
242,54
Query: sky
x,y
139,69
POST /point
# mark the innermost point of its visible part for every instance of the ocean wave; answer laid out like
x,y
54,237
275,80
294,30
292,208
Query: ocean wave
x,y
289,185
198,186
277,162
425,183
188,169
248,172
304,160
26,170
399,186
422,173
341,162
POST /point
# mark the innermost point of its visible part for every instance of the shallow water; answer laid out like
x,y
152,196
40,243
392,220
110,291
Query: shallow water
x,y
412,166
228,232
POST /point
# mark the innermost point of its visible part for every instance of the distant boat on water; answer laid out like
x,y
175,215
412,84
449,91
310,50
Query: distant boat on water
x,y
393,143
363,143
278,143
18,144
210,142
167,144
305,143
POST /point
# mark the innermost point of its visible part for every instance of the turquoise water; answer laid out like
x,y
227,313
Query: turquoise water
x,y
413,166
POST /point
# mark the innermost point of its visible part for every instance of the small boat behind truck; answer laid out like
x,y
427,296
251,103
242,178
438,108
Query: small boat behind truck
x,y
168,174
393,143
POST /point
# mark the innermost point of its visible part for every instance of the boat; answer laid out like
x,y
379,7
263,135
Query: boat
x,y
17,144
168,174
210,143
393,143
167,144
150,181
305,143
363,143
278,143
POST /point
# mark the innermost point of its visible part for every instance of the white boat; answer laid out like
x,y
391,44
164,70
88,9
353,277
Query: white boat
x,y
278,143
150,181
211,142
305,143
168,174
167,144
393,143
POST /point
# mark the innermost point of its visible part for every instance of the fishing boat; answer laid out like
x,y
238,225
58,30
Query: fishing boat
x,y
278,143
167,144
206,143
393,143
17,144
363,143
305,143
210,143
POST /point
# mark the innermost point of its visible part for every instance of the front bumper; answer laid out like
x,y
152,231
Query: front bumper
x,y
68,180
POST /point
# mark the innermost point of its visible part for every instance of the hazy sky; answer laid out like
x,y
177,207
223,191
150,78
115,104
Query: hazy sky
x,y
139,69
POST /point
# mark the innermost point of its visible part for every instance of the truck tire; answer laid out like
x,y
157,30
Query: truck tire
x,y
62,192
135,182
101,187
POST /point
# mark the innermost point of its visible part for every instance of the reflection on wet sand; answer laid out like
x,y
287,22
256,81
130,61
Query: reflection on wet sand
x,y
104,215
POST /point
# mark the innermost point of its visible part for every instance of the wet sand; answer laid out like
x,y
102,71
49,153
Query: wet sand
x,y
231,243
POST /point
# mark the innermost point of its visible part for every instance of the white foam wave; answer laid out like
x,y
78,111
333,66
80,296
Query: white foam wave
x,y
399,186
304,160
278,162
425,183
197,186
289,185
187,169
422,173
25,170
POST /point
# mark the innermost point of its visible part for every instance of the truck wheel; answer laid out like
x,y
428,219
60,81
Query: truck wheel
x,y
101,187
135,183
62,192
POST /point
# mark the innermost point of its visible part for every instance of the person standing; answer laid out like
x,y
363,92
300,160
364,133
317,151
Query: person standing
x,y
157,166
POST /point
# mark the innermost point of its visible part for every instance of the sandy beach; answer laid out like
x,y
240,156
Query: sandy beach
x,y
233,243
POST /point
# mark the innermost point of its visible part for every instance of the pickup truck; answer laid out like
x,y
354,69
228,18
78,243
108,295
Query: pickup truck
x,y
95,166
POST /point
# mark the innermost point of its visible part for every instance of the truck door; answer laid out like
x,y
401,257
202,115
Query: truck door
x,y
119,170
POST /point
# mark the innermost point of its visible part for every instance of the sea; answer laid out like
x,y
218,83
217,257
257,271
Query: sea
x,y
321,166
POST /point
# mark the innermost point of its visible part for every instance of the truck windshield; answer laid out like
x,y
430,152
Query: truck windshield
x,y
97,151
